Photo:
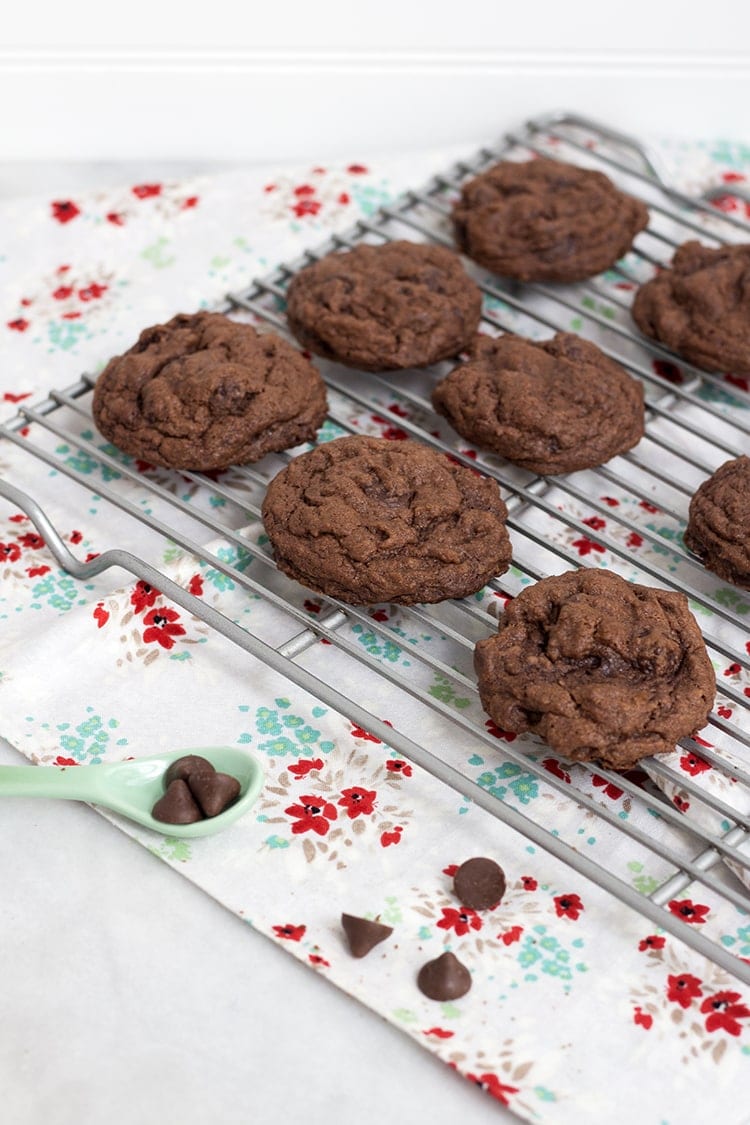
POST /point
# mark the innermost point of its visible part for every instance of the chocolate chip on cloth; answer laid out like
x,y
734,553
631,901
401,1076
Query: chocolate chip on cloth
x,y
445,978
368,520
718,529
543,220
362,934
177,806
550,407
479,883
601,668
204,392
700,306
379,308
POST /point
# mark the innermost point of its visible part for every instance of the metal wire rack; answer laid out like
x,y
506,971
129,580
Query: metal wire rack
x,y
695,421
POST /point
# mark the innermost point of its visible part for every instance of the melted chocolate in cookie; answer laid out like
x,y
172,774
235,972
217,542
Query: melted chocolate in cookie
x,y
368,520
402,304
204,392
700,306
601,668
543,220
551,407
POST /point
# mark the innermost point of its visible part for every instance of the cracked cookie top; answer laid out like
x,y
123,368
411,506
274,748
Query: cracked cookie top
x,y
379,308
551,407
718,529
368,520
603,669
700,306
543,220
204,392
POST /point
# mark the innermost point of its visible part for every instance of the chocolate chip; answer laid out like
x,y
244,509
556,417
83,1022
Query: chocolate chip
x,y
177,806
479,883
213,791
183,767
445,978
362,934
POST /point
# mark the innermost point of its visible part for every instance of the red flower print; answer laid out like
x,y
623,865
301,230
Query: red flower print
x,y
357,801
11,552
733,177
360,732
681,802
18,325
689,911
585,546
116,219
357,169
63,292
724,202
738,380
653,941
397,408
668,371
693,765
724,712
304,189
303,767
702,742
316,959
311,606
290,932
64,210
76,537
344,198
398,766
146,191
648,507
92,555
568,906
60,761
394,433
511,935
31,540
191,201
732,670
37,571
529,883
642,1018
92,292
610,501
71,316
195,586
18,518
460,921
612,791
306,207
439,1033
493,1086
683,989
100,615
8,396
553,766
162,627
497,732
143,596
379,615
725,1010
313,814
634,540
595,522
451,869
269,188
394,837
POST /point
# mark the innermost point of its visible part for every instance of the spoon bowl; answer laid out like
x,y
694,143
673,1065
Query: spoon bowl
x,y
132,788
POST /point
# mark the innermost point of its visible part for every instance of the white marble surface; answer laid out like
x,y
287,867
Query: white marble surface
x,y
131,997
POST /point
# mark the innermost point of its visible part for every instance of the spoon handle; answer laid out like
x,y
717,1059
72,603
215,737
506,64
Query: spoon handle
x,y
77,783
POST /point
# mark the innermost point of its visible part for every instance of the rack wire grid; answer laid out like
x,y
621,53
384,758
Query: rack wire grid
x,y
695,421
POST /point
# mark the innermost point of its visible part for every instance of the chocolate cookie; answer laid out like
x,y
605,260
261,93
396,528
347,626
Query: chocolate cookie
x,y
601,668
368,520
378,308
550,407
543,220
204,392
718,529
700,306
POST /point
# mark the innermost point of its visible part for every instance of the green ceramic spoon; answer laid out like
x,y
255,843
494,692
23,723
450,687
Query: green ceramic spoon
x,y
133,788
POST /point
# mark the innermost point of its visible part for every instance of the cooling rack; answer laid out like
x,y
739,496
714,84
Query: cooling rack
x,y
695,421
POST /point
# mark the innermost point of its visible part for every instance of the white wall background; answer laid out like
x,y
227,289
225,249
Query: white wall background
x,y
271,81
